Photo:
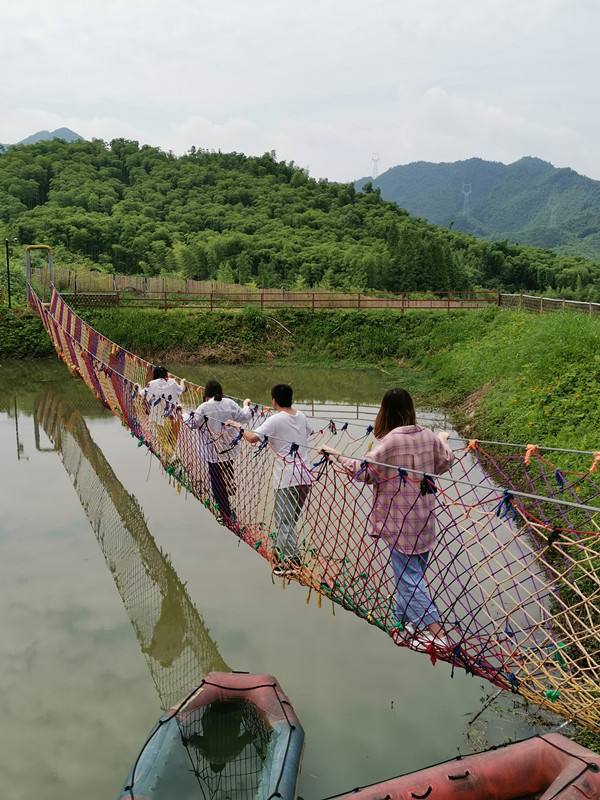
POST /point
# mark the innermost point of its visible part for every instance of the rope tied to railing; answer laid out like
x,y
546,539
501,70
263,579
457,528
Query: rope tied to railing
x,y
530,450
507,506
427,485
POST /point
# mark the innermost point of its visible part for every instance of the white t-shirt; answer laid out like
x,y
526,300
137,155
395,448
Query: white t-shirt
x,y
282,429
217,412
166,389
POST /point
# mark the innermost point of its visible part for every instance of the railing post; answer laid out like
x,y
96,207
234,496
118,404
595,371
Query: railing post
x,y
165,298
211,301
448,301
262,300
313,303
358,301
402,304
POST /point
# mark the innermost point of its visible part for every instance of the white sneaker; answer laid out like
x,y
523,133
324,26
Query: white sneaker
x,y
405,634
424,638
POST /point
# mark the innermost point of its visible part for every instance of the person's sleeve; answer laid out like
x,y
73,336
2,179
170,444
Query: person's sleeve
x,y
360,470
241,413
444,457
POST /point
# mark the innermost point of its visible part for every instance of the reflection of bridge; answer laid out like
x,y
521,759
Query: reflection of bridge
x,y
171,632
513,572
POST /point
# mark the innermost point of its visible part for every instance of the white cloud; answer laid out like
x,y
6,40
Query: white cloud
x,y
324,84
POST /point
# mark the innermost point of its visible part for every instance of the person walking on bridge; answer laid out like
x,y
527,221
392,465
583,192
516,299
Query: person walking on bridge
x,y
215,441
402,511
163,387
287,432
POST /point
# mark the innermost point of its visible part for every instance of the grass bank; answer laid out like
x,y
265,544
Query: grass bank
x,y
505,375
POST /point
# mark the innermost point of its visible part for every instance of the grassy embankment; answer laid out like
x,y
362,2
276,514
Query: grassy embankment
x,y
504,375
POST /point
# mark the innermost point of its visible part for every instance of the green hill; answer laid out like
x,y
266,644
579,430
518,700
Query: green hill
x,y
528,202
132,209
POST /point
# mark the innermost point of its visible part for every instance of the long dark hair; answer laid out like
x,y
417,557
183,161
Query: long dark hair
x,y
397,408
213,389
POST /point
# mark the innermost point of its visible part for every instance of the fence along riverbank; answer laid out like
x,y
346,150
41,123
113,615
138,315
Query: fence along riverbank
x,y
104,289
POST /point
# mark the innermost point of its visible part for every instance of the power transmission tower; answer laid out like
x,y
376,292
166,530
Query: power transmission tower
x,y
466,190
375,172
553,204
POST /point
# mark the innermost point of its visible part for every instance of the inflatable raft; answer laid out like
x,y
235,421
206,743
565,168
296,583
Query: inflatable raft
x,y
548,767
236,736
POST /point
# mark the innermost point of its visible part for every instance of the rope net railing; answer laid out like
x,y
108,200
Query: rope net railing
x,y
513,572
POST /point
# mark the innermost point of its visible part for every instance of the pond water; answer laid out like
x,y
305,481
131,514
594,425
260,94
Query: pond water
x,y
92,645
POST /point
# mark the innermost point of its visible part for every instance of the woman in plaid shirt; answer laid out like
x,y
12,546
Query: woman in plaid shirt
x,y
402,511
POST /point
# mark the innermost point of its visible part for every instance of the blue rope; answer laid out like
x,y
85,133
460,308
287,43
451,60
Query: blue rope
x,y
427,485
507,506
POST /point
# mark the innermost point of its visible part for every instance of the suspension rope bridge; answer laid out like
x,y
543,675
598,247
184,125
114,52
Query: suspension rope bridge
x,y
513,571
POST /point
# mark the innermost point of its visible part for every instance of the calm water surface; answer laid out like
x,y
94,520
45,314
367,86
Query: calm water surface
x,y
91,646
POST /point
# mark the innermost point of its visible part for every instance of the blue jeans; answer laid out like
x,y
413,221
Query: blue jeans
x,y
288,505
413,602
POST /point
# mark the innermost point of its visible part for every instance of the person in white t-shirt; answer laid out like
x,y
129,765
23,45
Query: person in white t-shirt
x,y
164,387
287,432
215,441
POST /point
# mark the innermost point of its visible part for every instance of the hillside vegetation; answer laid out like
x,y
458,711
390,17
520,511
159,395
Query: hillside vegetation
x,y
529,201
252,220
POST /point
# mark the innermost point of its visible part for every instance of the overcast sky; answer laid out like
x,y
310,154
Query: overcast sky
x,y
337,86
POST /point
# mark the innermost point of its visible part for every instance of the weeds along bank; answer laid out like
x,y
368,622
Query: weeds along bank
x,y
506,375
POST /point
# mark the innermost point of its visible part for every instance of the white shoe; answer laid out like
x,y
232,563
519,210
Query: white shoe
x,y
404,634
424,638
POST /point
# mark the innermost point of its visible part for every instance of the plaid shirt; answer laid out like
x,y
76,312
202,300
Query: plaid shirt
x,y
400,514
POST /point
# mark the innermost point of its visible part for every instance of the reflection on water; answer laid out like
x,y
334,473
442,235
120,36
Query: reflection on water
x,y
171,632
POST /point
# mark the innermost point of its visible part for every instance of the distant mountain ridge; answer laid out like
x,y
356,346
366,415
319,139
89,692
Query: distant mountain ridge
x,y
529,201
41,136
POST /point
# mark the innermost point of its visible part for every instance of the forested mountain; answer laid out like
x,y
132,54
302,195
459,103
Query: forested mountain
x,y
225,216
529,202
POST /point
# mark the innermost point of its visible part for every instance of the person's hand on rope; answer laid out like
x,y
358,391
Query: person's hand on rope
x,y
246,402
325,450
443,436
